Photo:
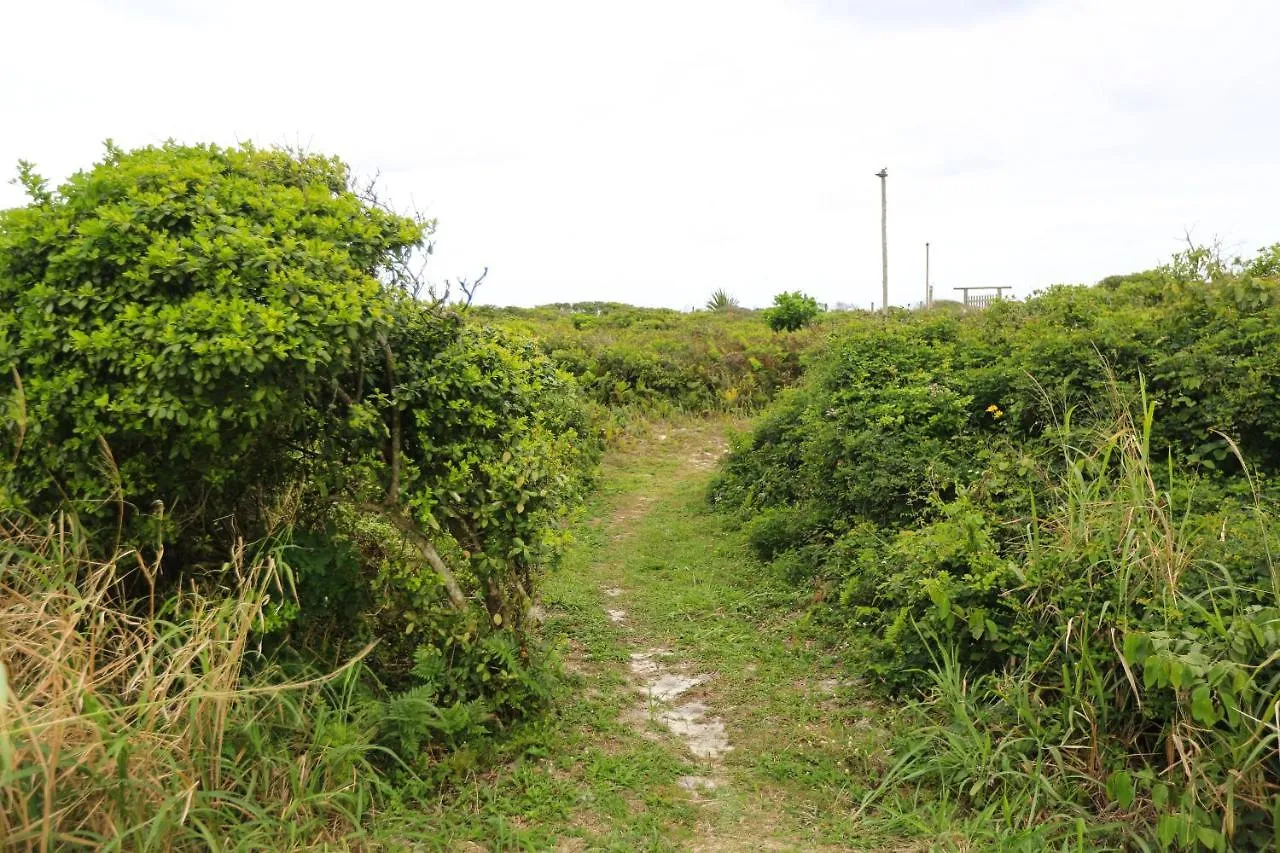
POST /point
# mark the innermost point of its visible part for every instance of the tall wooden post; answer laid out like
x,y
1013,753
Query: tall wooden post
x,y
884,241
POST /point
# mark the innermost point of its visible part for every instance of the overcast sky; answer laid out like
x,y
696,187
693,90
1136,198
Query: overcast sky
x,y
654,151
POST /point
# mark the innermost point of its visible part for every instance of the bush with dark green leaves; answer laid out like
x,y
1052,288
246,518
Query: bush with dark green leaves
x,y
898,409
208,349
661,360
495,454
791,311
1051,499
174,321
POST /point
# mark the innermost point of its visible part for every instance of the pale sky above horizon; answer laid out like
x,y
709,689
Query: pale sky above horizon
x,y
654,152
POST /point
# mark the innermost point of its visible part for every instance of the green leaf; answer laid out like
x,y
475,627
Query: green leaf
x,y
1202,710
1136,647
1159,795
1154,672
1275,821
1209,837
939,597
1177,672
1167,828
1120,788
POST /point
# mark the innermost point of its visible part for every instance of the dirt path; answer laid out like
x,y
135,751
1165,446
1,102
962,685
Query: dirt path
x,y
718,672
699,715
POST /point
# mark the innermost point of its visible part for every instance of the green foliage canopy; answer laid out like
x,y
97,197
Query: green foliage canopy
x,y
184,309
791,310
1006,497
205,345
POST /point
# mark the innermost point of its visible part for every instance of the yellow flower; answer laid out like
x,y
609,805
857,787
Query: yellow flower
x,y
993,408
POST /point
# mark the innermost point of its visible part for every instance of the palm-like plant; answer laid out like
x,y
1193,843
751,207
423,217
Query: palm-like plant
x,y
721,300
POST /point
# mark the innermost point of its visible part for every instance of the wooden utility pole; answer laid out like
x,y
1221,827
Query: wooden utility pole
x,y
884,241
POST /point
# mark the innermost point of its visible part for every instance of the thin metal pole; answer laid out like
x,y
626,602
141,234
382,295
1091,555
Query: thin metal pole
x,y
884,241
928,295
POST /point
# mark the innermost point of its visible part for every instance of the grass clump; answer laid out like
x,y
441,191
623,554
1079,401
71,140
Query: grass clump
x,y
162,729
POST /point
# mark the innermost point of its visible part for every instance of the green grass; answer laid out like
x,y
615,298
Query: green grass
x,y
591,774
129,731
812,749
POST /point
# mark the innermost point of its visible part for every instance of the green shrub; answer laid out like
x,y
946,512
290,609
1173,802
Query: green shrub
x,y
1116,634
791,311
777,530
1038,515
657,359
897,409
172,320
495,455
722,300
210,351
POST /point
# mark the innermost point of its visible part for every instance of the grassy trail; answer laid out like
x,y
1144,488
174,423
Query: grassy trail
x,y
697,715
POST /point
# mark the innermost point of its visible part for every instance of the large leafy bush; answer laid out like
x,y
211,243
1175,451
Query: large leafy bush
x,y
207,350
1047,502
173,321
469,449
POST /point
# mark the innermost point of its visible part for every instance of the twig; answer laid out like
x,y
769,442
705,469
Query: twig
x,y
415,535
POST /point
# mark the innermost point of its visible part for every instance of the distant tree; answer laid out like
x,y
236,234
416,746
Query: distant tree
x,y
1266,264
792,310
721,300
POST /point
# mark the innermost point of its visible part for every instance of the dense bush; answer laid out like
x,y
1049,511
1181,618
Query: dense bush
x,y
495,455
209,350
897,410
661,359
1047,502
172,319
791,310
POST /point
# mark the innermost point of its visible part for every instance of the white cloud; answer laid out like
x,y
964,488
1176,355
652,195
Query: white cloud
x,y
654,152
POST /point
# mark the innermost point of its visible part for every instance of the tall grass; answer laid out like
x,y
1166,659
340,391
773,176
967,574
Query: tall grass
x,y
132,725
1144,710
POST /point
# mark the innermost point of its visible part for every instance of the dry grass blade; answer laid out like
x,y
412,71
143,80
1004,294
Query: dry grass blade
x,y
114,726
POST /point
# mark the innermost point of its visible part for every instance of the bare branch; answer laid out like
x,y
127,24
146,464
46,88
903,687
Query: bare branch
x,y
468,289
414,534
393,450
